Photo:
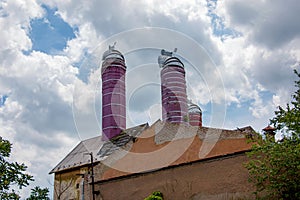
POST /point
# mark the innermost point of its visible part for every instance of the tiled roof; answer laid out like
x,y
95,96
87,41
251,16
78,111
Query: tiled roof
x,y
269,128
204,142
166,144
78,156
166,132
120,140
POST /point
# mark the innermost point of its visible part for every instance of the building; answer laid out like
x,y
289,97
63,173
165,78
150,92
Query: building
x,y
176,155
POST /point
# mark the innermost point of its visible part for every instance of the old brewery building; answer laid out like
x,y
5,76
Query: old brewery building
x,y
176,155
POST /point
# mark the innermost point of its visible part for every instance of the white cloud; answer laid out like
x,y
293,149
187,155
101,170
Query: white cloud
x,y
41,87
37,115
244,62
263,27
14,23
85,41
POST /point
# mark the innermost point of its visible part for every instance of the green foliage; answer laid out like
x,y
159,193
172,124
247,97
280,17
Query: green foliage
x,y
155,196
38,193
11,173
290,117
10,195
274,167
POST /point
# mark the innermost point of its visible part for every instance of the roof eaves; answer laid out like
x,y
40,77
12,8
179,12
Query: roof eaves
x,y
81,145
56,168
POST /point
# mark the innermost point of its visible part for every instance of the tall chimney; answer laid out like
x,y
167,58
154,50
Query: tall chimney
x,y
173,88
113,93
195,114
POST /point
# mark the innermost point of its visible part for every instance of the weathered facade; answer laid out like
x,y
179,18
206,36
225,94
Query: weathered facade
x,y
216,178
183,162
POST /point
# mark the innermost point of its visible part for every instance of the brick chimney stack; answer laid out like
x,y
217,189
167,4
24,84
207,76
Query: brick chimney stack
x,y
173,88
195,114
113,93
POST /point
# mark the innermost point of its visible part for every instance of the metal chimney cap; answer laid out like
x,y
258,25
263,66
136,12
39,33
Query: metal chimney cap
x,y
193,108
112,53
167,58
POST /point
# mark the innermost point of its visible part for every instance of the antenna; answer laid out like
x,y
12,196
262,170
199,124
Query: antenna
x,y
175,50
112,47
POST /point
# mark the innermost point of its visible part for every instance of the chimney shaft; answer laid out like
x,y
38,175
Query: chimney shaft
x,y
173,88
113,94
195,114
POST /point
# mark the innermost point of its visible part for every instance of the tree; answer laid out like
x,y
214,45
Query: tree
x,y
155,196
11,173
290,117
38,193
274,167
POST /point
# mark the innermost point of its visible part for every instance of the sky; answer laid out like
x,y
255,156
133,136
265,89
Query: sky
x,y
239,59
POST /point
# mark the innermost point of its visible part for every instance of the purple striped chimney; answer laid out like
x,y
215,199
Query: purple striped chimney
x,y
195,114
173,88
113,93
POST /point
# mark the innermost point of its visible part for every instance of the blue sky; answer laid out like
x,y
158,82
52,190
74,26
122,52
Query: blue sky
x,y
50,33
239,66
3,99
